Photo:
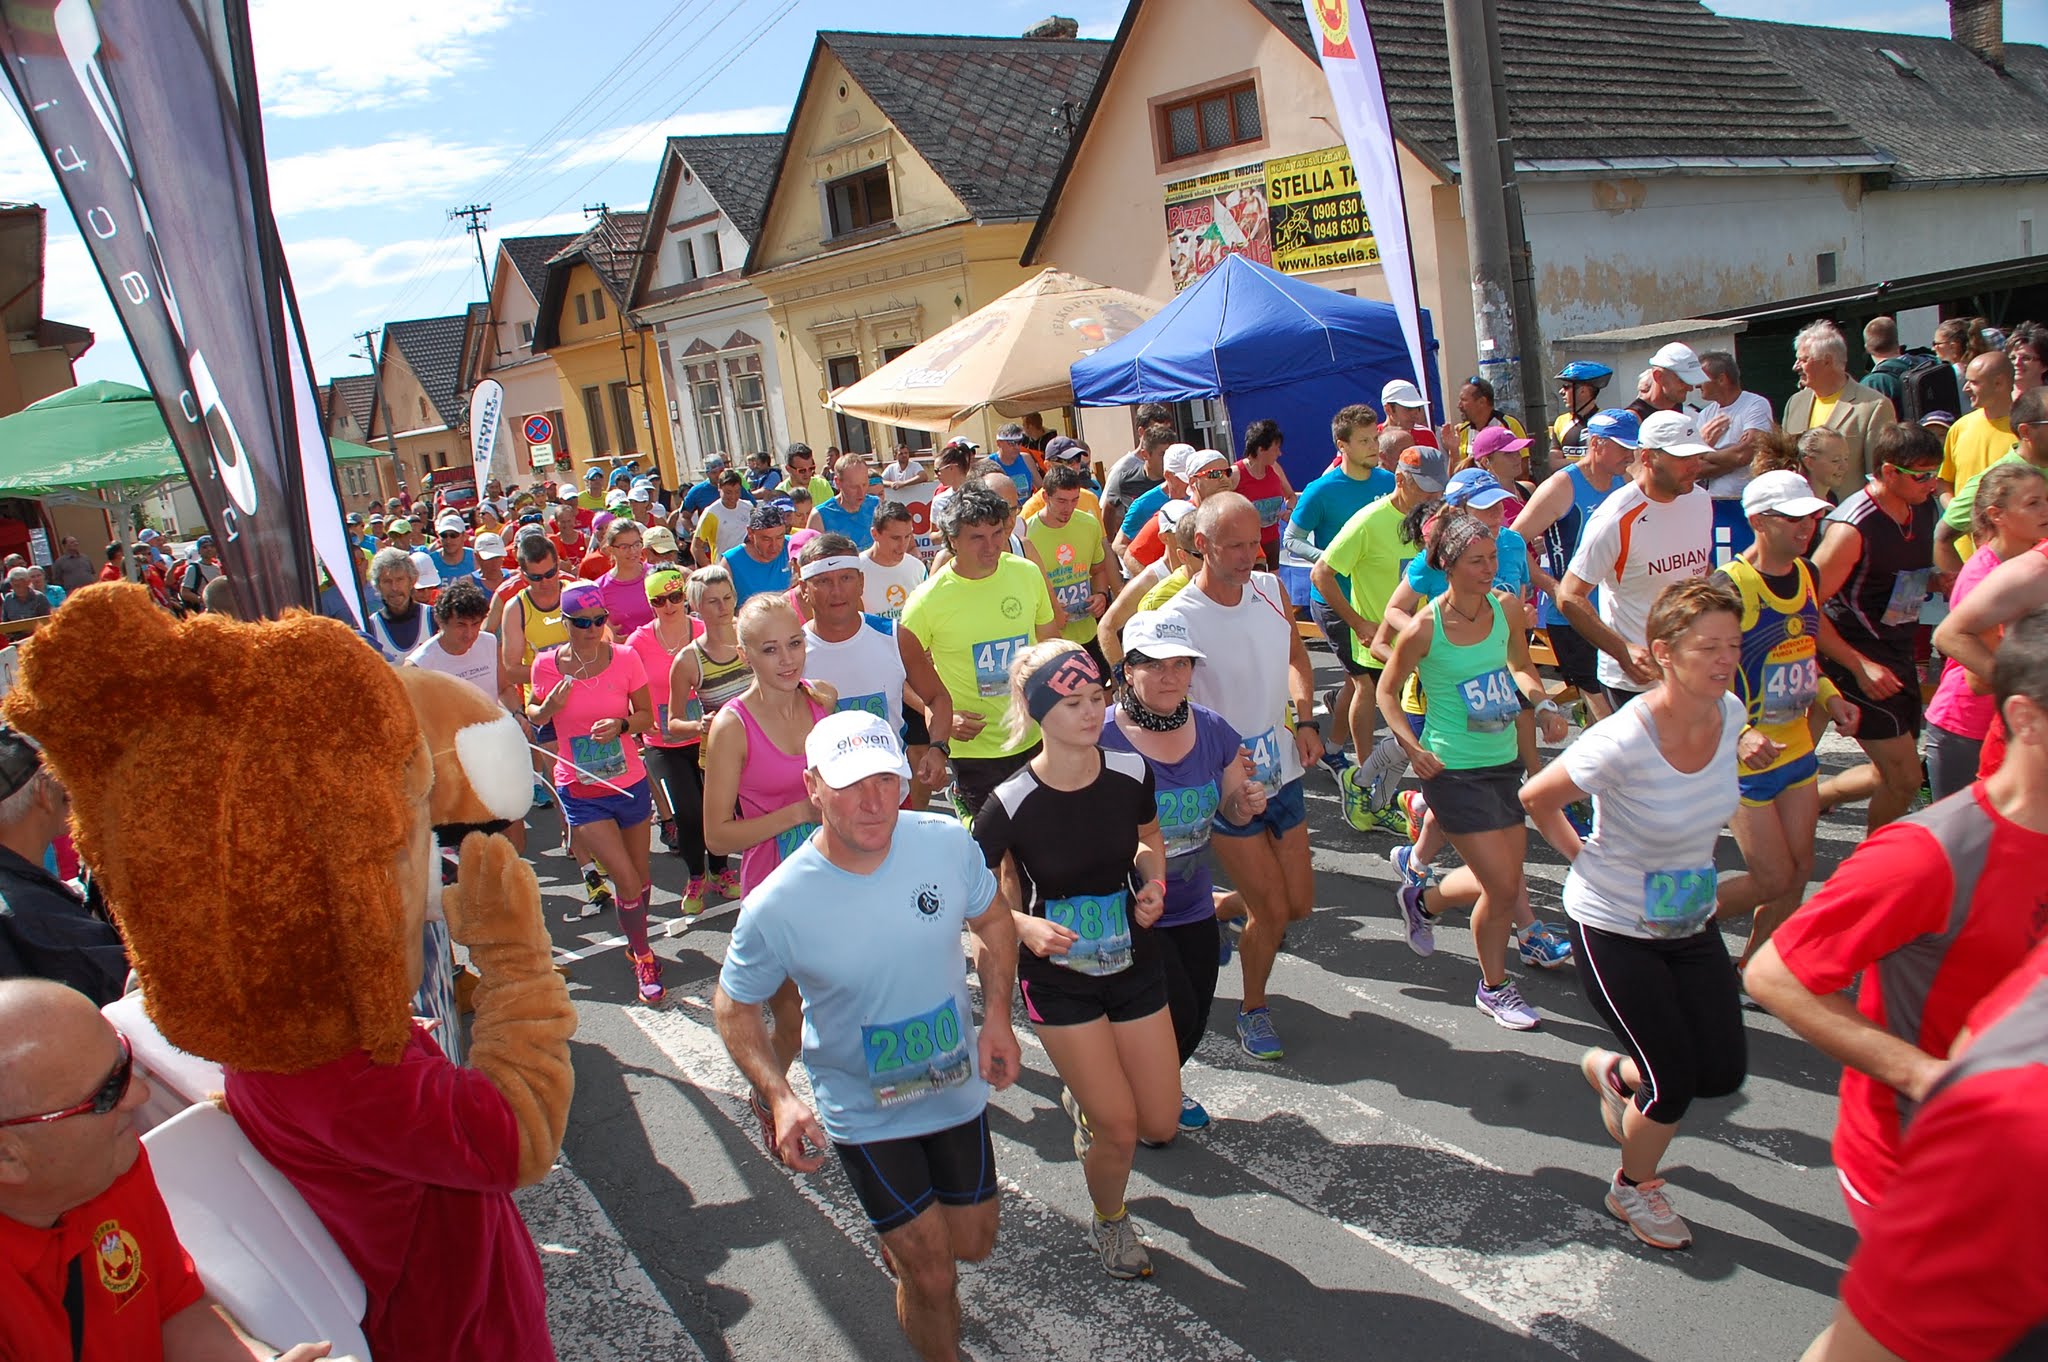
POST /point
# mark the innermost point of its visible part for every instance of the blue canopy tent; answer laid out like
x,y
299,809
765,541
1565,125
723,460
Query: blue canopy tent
x,y
1271,347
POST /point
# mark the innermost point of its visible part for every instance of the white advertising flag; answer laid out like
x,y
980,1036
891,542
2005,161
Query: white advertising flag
x,y
486,405
1352,66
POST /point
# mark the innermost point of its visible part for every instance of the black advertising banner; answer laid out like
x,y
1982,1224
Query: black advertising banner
x,y
147,113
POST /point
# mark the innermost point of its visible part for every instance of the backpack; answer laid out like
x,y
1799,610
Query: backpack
x,y
1928,384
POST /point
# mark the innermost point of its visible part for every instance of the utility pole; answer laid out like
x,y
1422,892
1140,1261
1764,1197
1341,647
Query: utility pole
x,y
378,398
474,215
1482,194
1534,392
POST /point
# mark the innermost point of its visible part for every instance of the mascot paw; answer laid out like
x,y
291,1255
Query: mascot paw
x,y
495,899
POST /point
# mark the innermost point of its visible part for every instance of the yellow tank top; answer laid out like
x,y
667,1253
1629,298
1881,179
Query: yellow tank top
x,y
544,628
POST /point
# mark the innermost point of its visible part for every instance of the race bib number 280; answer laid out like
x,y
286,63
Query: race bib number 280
x,y
917,1056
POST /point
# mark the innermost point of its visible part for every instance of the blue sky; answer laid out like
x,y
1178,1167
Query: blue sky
x,y
383,114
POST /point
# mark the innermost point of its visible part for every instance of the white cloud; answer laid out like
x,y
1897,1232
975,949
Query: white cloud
x,y
24,174
72,293
407,169
642,142
319,59
326,264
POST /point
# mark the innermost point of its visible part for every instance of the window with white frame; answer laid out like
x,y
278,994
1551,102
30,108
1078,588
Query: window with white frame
x,y
750,397
686,259
714,258
708,402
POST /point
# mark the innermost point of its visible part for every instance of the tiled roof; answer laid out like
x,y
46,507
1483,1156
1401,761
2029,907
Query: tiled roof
x,y
984,112
354,391
738,169
608,245
433,347
530,256
1591,84
1950,117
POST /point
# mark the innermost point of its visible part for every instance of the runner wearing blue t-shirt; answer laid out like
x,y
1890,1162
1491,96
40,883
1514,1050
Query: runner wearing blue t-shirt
x,y
865,917
852,511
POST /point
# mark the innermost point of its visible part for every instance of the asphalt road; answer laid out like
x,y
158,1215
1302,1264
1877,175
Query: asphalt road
x,y
1410,1181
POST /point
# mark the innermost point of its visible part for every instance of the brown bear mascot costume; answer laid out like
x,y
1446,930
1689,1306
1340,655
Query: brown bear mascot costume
x,y
258,802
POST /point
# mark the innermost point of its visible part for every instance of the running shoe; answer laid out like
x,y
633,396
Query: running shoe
x,y
647,969
1579,813
671,840
1413,807
1357,800
1505,1005
729,883
1602,1069
1083,1137
1256,1036
1381,772
541,795
1223,939
1389,819
1543,948
1421,876
693,896
1421,931
1193,1115
1336,760
597,897
1123,1255
1647,1212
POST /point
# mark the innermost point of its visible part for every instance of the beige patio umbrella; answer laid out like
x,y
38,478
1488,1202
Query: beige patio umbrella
x,y
1012,355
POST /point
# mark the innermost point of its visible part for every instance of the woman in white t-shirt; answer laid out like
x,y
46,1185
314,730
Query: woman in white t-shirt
x,y
1640,896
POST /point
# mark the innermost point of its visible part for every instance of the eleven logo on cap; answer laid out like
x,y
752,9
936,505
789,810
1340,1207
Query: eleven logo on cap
x,y
876,739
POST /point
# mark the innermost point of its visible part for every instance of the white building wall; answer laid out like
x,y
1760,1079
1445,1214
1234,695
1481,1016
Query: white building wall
x,y
532,384
1918,231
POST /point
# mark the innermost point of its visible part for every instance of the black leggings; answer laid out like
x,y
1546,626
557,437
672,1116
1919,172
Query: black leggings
x,y
681,778
1189,954
1676,1005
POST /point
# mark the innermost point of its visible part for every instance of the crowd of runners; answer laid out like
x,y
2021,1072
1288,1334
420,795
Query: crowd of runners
x,y
1112,686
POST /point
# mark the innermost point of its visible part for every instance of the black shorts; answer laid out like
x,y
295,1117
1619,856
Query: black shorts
x,y
1896,716
976,778
1619,698
915,733
1339,634
1093,647
1578,661
1072,999
896,1179
1484,799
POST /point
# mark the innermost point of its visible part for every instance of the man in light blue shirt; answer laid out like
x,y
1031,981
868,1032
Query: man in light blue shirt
x,y
865,917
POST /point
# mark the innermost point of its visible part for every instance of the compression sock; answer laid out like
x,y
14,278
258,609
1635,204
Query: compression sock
x,y
633,921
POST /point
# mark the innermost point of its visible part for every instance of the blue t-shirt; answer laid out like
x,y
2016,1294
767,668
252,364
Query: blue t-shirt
x,y
1330,501
703,494
1189,793
761,480
1143,509
751,578
1511,576
1021,472
889,1035
450,571
857,524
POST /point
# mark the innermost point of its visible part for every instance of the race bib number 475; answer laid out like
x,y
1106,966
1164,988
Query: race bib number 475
x,y
992,660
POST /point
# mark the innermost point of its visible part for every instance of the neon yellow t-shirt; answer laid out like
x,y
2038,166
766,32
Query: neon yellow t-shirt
x,y
1070,554
975,629
1089,502
1370,551
1823,408
1166,588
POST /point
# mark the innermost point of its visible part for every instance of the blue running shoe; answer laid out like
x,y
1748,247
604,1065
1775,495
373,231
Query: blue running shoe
x,y
1543,948
1223,946
1256,1036
1579,813
1192,1114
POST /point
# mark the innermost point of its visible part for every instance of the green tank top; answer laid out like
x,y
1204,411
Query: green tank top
x,y
1471,696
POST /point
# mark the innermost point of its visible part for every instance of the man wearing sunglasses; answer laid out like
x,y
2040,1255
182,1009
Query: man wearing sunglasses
x,y
1876,568
46,930
90,1265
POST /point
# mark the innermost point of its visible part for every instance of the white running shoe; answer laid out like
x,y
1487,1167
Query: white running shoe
x,y
1505,1005
1647,1212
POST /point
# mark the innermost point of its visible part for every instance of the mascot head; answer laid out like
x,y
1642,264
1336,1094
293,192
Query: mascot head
x,y
257,802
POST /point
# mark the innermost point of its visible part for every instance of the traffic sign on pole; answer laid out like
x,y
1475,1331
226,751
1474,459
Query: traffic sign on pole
x,y
538,429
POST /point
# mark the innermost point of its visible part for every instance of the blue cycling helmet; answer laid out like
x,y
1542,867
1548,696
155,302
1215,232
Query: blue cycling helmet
x,y
1585,371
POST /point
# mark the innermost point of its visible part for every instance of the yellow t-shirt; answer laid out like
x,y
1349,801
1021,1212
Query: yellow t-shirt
x,y
1069,555
975,630
1089,503
1169,586
1823,408
1974,443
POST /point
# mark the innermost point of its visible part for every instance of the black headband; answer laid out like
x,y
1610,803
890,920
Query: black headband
x,y
1059,676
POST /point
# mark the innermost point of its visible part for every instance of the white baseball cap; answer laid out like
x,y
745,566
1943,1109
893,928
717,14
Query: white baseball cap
x,y
1175,511
1680,359
852,745
1399,392
450,522
1155,633
490,545
1203,459
1673,432
1177,457
1781,493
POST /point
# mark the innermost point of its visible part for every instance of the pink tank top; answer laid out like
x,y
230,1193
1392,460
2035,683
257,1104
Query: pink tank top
x,y
771,779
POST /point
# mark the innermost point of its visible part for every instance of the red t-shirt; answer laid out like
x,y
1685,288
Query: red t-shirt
x,y
1268,495
1889,912
411,1168
569,552
134,1273
110,573
1145,546
1937,1277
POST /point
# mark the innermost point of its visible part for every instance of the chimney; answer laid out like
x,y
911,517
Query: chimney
x,y
1979,25
1059,26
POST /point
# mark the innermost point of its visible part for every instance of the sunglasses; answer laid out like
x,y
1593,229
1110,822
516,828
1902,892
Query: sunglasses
x,y
589,621
104,1098
672,598
1214,475
1915,474
451,534
550,574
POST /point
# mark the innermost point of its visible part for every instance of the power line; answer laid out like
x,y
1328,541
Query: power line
x,y
476,213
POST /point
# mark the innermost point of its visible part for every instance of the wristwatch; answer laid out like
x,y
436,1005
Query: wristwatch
x,y
941,748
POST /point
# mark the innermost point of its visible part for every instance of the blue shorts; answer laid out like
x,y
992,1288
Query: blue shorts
x,y
1762,787
1284,812
628,810
545,734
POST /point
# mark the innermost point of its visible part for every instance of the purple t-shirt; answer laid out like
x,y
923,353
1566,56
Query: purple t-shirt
x,y
1189,793
627,602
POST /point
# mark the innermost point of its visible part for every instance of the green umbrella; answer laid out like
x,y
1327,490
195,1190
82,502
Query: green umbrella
x,y
100,434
